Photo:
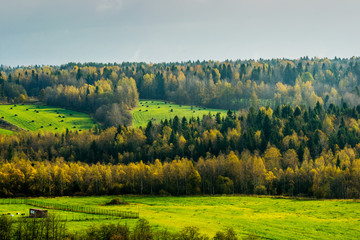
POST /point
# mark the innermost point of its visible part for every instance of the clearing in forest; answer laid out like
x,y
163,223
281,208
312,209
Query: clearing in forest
x,y
45,118
160,110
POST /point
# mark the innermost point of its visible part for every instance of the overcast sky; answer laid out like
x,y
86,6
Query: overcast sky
x,y
61,31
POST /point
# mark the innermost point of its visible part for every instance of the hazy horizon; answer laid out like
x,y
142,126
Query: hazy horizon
x,y
40,32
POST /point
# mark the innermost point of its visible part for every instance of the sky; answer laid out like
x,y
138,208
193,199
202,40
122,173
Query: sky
x,y
60,31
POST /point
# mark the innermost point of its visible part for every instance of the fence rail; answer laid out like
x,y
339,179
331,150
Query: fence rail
x,y
7,201
71,208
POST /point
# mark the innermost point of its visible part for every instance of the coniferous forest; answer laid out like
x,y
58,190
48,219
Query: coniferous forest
x,y
103,89
292,128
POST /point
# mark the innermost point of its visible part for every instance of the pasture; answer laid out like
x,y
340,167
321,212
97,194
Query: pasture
x,y
267,217
159,110
5,131
45,118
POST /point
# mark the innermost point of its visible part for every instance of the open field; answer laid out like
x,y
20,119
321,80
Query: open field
x,y
270,218
38,117
160,110
5,131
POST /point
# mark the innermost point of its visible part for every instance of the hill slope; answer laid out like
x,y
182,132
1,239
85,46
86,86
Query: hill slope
x,y
159,110
36,117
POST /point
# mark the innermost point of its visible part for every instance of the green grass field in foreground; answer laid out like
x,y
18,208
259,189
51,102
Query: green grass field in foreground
x,y
38,117
159,110
269,218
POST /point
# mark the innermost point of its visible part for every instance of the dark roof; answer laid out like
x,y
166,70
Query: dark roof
x,y
40,210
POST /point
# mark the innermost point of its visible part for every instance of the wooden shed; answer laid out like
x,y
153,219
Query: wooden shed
x,y
38,213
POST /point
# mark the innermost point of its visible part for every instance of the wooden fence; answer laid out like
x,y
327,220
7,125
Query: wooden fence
x,y
71,208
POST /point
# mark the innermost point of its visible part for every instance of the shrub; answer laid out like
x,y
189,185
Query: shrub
x,y
108,232
191,233
117,201
228,234
142,231
5,227
260,190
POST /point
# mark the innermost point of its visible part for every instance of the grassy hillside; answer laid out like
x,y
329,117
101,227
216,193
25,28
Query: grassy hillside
x,y
5,131
37,117
270,218
160,110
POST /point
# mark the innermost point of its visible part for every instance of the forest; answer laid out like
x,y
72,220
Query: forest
x,y
110,91
292,129
310,152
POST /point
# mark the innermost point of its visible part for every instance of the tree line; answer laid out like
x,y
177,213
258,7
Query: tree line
x,y
286,151
53,228
109,91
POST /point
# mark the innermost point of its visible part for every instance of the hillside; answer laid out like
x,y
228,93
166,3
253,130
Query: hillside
x,y
38,117
159,110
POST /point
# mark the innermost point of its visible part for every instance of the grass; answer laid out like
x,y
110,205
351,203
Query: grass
x,y
266,217
45,118
5,131
159,110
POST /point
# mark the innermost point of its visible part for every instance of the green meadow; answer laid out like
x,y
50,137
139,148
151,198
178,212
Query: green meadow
x,y
267,217
159,110
5,131
45,118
